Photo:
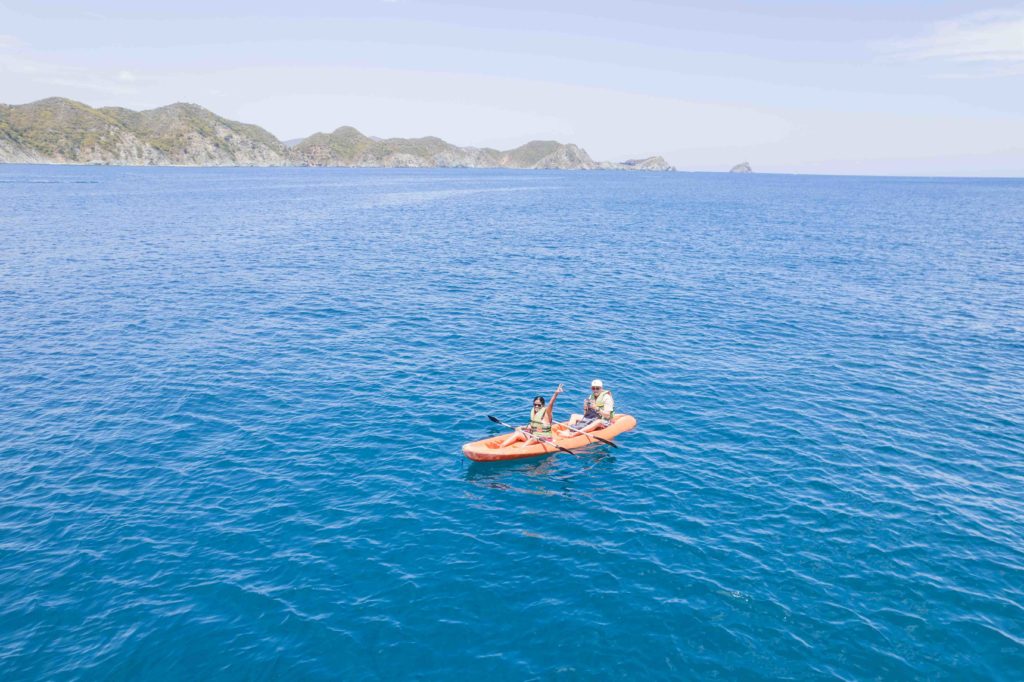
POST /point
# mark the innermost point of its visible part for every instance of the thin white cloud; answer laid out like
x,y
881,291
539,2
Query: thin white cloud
x,y
984,43
18,61
9,42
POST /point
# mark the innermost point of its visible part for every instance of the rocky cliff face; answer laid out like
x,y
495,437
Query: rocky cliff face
x,y
741,168
58,130
11,152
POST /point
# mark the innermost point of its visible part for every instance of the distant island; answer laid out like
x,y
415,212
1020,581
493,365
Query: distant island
x,y
62,131
741,168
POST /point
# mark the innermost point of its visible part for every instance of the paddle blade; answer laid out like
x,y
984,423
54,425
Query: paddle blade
x,y
494,419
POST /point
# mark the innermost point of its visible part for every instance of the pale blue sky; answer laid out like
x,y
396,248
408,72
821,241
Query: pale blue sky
x,y
918,88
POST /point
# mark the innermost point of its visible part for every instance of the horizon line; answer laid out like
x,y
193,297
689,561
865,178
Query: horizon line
x,y
391,169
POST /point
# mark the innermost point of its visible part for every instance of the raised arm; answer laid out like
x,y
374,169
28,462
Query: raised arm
x,y
551,403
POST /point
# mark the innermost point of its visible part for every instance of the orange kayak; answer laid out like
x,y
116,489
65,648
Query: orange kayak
x,y
490,450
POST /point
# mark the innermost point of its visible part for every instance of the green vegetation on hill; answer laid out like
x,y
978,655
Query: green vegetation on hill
x,y
64,131
186,133
531,153
59,128
342,147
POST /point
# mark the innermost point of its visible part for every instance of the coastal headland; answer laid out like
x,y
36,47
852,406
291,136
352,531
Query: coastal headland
x,y
62,131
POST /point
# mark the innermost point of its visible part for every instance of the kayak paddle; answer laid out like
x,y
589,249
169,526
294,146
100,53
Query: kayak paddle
x,y
549,441
590,435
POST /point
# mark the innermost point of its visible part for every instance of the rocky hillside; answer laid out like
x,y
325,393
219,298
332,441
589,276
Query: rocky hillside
x,y
651,163
58,130
741,168
346,146
189,135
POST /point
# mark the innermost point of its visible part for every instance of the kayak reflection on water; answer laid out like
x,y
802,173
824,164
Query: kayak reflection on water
x,y
551,475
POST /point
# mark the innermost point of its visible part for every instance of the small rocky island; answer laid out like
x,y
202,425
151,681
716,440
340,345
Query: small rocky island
x,y
63,131
741,168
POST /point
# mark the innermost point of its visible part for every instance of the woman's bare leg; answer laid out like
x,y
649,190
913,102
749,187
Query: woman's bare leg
x,y
516,435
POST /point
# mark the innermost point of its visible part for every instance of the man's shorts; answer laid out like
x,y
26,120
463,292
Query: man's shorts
x,y
587,421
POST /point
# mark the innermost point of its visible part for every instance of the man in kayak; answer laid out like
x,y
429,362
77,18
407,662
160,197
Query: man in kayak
x,y
598,409
539,429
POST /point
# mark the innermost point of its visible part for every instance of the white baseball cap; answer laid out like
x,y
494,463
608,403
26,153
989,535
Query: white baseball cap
x,y
596,383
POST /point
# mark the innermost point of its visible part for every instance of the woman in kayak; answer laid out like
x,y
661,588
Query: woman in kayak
x,y
539,429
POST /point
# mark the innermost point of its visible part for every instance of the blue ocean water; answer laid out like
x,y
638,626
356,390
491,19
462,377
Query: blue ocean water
x,y
234,402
